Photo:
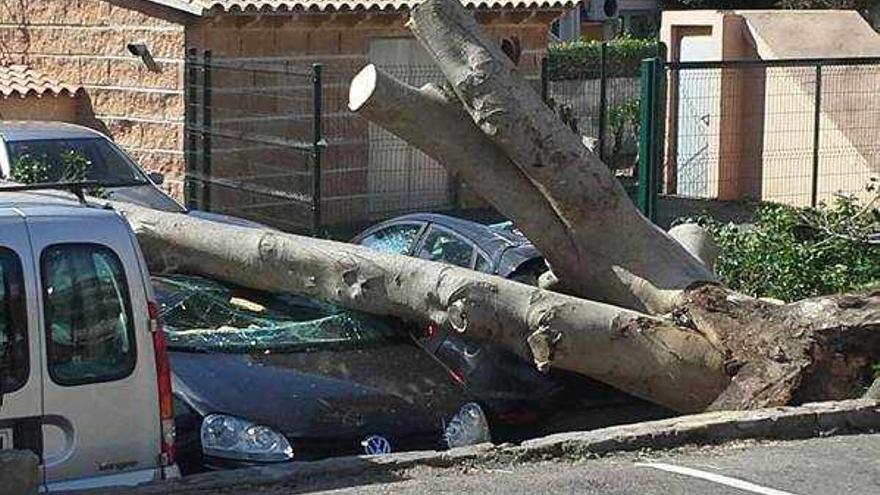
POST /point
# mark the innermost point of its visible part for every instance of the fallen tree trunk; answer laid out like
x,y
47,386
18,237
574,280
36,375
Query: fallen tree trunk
x,y
645,356
827,349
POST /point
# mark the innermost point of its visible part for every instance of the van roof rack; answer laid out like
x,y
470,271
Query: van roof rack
x,y
78,188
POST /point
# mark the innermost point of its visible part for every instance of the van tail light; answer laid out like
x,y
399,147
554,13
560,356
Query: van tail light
x,y
163,377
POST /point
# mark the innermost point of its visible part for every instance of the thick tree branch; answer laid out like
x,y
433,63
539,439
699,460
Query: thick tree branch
x,y
622,258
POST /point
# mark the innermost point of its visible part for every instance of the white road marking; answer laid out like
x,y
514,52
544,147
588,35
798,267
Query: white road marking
x,y
715,478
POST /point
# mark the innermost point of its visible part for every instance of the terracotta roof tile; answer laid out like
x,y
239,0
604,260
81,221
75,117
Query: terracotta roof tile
x,y
22,81
256,6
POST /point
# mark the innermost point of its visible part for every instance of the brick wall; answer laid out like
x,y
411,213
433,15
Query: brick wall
x,y
341,43
84,42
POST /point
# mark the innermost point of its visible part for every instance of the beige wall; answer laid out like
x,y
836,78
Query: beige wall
x,y
83,42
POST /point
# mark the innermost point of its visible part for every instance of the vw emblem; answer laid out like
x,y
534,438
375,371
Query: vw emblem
x,y
376,445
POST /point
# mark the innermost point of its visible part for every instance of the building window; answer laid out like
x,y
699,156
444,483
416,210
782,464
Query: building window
x,y
89,327
14,367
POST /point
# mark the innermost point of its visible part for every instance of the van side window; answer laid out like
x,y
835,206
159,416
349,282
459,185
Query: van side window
x,y
13,323
89,326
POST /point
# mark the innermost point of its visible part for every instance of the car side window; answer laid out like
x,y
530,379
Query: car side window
x,y
89,325
13,323
446,247
483,264
395,239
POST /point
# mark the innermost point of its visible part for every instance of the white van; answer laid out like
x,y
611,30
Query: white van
x,y
83,371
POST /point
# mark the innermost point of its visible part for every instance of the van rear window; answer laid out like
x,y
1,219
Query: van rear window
x,y
89,326
13,323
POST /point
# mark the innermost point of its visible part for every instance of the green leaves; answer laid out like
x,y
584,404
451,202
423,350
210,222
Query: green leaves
x,y
73,167
29,169
582,59
792,253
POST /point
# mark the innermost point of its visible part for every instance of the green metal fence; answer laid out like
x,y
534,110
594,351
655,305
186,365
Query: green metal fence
x,y
798,132
254,140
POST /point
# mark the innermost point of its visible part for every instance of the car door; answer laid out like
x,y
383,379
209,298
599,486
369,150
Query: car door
x,y
20,340
100,398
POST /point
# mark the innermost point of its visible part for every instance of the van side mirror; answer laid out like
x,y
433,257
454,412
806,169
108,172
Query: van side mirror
x,y
156,178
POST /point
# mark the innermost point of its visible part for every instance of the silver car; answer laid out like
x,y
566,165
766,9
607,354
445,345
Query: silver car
x,y
120,178
84,376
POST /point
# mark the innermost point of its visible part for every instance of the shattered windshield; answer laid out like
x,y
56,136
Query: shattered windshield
x,y
201,314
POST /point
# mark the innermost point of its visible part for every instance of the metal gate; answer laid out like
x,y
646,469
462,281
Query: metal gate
x,y
789,131
253,140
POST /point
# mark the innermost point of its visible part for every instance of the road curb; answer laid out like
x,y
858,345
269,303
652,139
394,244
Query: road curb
x,y
779,423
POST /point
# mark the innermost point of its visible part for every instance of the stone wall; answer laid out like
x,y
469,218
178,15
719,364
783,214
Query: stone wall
x,y
84,42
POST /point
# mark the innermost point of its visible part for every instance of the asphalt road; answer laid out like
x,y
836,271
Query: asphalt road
x,y
836,466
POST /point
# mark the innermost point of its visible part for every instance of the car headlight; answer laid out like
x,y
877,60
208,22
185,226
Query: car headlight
x,y
235,438
467,427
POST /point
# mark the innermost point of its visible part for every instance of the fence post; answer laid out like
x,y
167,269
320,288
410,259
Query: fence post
x,y
206,131
317,143
817,120
191,123
603,96
545,80
646,194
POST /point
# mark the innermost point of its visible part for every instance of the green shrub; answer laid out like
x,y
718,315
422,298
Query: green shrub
x,y
793,253
581,59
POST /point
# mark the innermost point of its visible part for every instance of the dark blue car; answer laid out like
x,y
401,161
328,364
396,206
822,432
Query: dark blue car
x,y
261,378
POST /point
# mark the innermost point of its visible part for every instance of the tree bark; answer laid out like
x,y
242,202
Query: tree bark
x,y
620,258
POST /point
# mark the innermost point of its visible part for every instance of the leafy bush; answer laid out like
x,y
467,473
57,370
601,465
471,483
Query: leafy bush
x,y
791,253
582,59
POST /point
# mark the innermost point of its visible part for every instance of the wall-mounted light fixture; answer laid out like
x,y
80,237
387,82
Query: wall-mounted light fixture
x,y
140,49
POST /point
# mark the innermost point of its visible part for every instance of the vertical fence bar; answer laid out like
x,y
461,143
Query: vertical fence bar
x,y
317,142
545,80
646,194
206,131
817,120
191,123
658,134
603,96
